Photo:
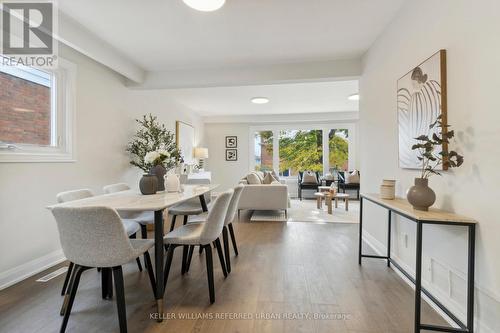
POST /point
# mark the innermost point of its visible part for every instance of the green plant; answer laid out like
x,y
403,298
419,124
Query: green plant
x,y
427,150
153,145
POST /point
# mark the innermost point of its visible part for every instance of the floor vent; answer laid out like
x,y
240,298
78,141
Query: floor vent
x,y
52,275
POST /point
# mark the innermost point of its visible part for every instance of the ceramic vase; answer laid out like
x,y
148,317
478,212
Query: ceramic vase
x,y
421,196
148,184
159,171
172,183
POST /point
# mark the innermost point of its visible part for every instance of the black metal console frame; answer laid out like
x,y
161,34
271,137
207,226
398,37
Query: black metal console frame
x,y
464,328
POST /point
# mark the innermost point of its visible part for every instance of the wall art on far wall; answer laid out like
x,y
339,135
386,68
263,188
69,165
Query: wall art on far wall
x,y
231,142
231,154
421,98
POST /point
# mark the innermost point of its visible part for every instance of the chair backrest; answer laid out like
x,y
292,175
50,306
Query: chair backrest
x,y
119,187
93,236
233,204
212,228
74,195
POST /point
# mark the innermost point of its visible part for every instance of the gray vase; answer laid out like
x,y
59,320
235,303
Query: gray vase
x,y
148,184
159,171
421,196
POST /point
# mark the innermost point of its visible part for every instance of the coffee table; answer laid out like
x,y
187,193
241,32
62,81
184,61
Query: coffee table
x,y
342,196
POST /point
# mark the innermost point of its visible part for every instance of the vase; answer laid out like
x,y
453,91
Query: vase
x,y
421,196
172,182
148,184
159,171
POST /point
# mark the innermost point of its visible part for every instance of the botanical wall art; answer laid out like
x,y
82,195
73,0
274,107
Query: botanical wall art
x,y
231,142
421,99
231,154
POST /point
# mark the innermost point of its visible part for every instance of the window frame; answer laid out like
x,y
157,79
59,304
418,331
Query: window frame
x,y
63,92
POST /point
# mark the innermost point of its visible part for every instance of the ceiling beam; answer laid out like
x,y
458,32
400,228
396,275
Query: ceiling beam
x,y
342,69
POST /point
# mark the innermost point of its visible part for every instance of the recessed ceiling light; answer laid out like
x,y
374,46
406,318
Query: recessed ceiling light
x,y
205,5
353,97
260,100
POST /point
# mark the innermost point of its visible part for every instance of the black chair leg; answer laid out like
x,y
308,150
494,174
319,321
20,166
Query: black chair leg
x,y
172,224
144,235
149,267
75,280
200,250
233,239
66,279
221,256
184,258
225,240
168,263
210,272
185,219
120,298
190,256
107,283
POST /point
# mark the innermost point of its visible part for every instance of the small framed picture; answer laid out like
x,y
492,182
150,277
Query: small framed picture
x,y
231,154
231,142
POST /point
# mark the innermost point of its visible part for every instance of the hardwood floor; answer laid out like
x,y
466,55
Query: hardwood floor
x,y
284,273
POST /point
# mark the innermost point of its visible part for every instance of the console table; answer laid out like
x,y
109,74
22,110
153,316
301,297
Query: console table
x,y
400,206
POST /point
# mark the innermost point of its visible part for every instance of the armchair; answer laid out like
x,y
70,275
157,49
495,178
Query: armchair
x,y
307,186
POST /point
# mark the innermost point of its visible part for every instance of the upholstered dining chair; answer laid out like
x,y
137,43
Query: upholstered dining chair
x,y
131,227
96,237
228,228
202,234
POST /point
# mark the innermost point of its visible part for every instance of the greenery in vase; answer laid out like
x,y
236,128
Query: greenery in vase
x,y
427,150
153,145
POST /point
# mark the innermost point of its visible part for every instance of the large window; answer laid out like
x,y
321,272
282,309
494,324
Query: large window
x,y
36,113
338,142
300,150
263,150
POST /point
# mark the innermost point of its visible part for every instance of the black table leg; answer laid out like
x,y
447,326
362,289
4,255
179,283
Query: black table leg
x,y
418,277
360,229
203,203
159,263
470,278
389,238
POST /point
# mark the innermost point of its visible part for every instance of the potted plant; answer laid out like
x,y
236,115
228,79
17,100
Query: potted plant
x,y
421,196
153,149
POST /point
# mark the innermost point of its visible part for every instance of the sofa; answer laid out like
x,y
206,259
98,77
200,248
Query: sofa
x,y
259,196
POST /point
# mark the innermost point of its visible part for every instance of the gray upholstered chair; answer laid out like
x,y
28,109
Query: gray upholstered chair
x,y
228,227
202,234
143,218
190,207
96,237
131,227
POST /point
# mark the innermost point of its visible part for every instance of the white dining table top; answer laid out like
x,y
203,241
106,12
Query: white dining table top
x,y
133,200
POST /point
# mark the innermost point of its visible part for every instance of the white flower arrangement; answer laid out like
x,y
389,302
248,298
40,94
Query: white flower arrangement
x,y
151,157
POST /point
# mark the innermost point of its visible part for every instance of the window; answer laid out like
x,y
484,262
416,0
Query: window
x,y
300,150
338,142
36,113
263,151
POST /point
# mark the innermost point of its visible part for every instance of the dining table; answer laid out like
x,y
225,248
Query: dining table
x,y
134,201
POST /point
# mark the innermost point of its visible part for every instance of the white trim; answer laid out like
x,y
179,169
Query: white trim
x,y
63,138
26,270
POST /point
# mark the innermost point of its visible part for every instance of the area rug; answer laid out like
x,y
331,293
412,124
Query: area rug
x,y
306,211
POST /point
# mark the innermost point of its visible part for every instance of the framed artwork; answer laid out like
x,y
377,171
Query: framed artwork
x,y
184,138
421,98
231,142
231,154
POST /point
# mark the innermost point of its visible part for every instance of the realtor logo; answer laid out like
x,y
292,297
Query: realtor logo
x,y
27,33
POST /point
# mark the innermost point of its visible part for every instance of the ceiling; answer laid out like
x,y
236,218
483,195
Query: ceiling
x,y
166,34
315,97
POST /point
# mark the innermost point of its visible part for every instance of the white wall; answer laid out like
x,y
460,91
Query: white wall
x,y
105,112
469,31
228,173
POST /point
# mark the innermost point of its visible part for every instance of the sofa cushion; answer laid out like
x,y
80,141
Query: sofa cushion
x,y
309,177
269,178
352,177
253,179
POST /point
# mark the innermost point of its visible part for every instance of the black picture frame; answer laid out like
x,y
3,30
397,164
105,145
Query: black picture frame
x,y
231,141
231,155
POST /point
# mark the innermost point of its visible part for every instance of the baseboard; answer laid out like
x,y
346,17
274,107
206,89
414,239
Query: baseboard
x,y
481,293
26,270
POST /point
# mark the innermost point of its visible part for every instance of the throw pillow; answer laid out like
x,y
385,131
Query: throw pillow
x,y
309,177
268,179
275,175
253,179
352,178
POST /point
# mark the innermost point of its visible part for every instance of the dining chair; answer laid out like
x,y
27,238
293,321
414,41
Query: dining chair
x,y
202,234
131,227
94,237
228,228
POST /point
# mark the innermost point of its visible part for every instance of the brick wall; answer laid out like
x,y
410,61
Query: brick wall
x,y
24,111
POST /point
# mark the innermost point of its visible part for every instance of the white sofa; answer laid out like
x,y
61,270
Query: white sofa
x,y
264,197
